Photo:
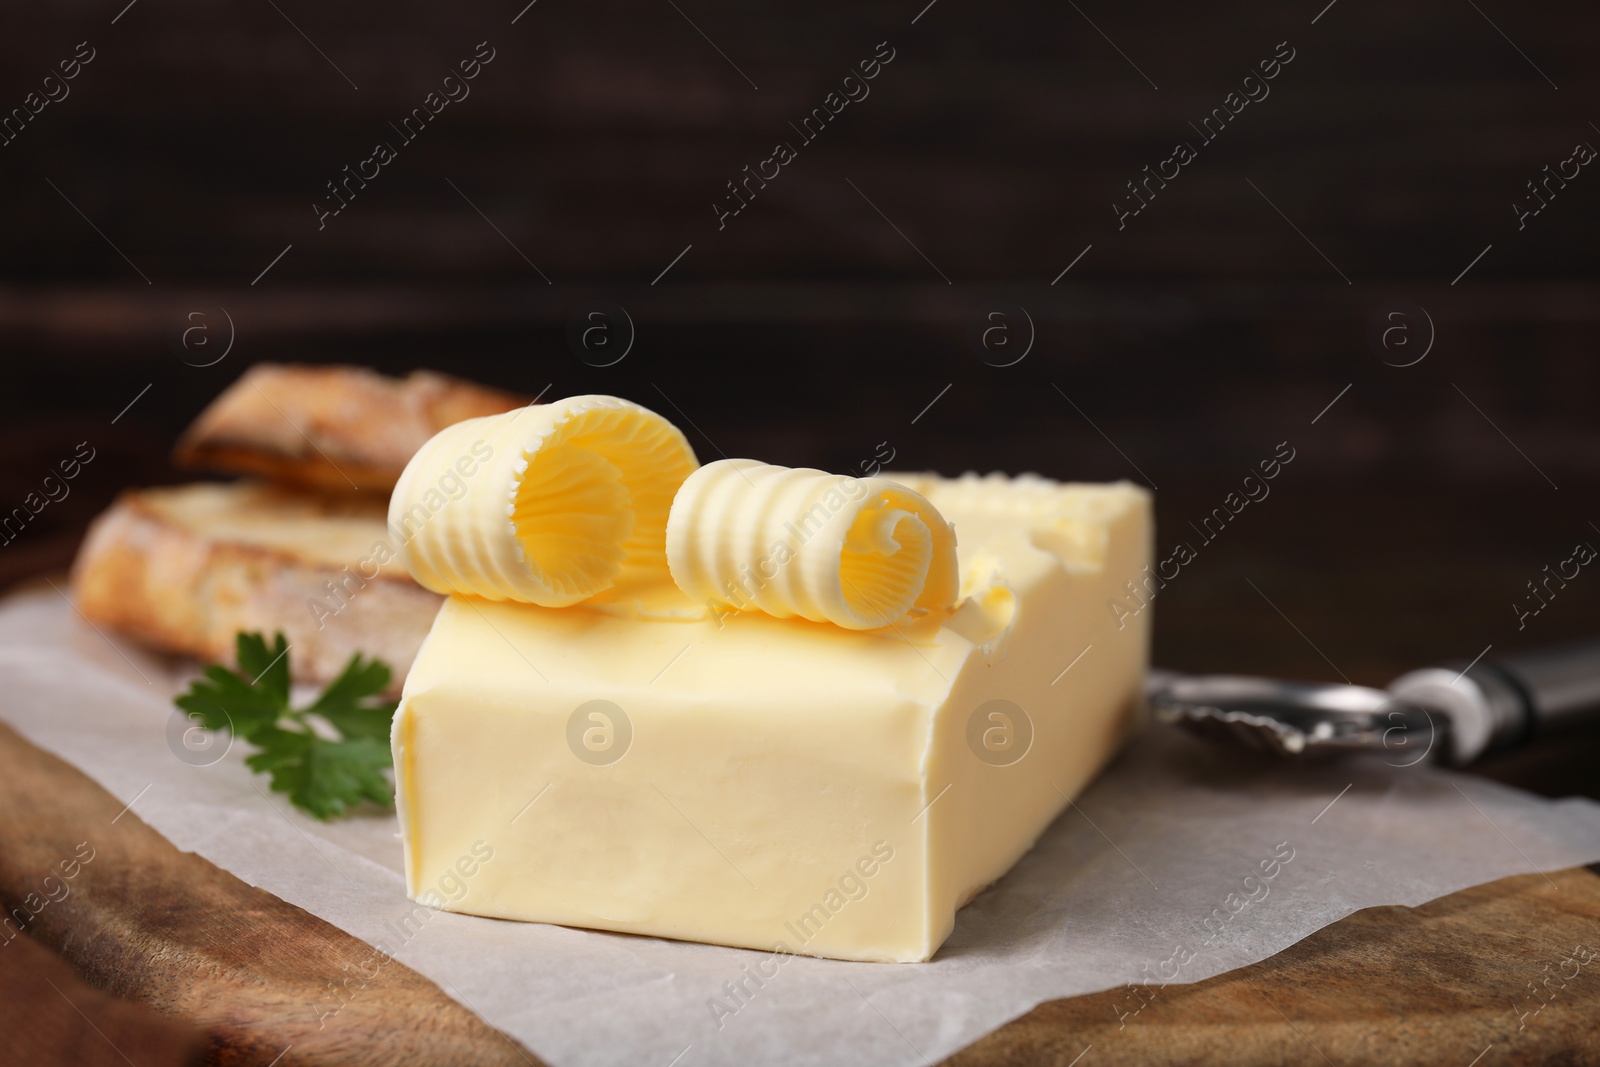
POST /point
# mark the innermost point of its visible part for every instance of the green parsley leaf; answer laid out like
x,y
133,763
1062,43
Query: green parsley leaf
x,y
266,665
344,772
323,776
347,701
225,701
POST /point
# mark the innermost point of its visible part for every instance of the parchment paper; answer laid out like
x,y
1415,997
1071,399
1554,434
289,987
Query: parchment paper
x,y
1119,890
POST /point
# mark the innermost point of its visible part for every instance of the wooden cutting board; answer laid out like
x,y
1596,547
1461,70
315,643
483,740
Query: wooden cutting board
x,y
265,981
1449,983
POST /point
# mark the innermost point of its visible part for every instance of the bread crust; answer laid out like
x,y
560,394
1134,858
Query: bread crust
x,y
150,569
336,428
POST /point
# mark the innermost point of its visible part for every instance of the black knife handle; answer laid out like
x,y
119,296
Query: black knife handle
x,y
1560,684
1494,704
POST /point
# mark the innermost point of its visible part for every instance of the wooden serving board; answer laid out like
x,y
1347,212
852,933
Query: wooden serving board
x,y
244,977
143,921
1446,983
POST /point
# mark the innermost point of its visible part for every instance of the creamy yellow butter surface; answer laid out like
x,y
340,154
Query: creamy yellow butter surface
x,y
777,783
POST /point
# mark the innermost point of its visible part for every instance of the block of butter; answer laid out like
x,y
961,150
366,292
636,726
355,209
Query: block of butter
x,y
776,783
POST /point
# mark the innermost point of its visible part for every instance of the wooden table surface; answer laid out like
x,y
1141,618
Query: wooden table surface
x,y
1446,983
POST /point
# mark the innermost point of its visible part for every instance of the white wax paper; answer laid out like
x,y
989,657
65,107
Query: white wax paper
x,y
1118,890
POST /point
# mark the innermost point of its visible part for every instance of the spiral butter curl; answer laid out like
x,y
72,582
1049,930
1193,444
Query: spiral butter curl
x,y
860,553
549,504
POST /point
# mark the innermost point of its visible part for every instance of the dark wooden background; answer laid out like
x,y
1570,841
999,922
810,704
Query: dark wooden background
x,y
809,330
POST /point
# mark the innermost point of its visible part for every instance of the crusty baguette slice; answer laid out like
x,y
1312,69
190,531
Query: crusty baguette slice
x,y
334,428
185,569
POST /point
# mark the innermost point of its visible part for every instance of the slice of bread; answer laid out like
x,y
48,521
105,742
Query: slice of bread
x,y
185,569
341,429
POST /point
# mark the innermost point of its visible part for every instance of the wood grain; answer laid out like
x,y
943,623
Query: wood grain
x,y
597,141
1436,984
49,1015
141,920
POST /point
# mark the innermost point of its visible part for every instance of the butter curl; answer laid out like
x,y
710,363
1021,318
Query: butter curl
x,y
550,504
861,553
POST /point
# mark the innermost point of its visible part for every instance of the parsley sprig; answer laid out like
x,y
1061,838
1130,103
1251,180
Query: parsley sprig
x,y
322,776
